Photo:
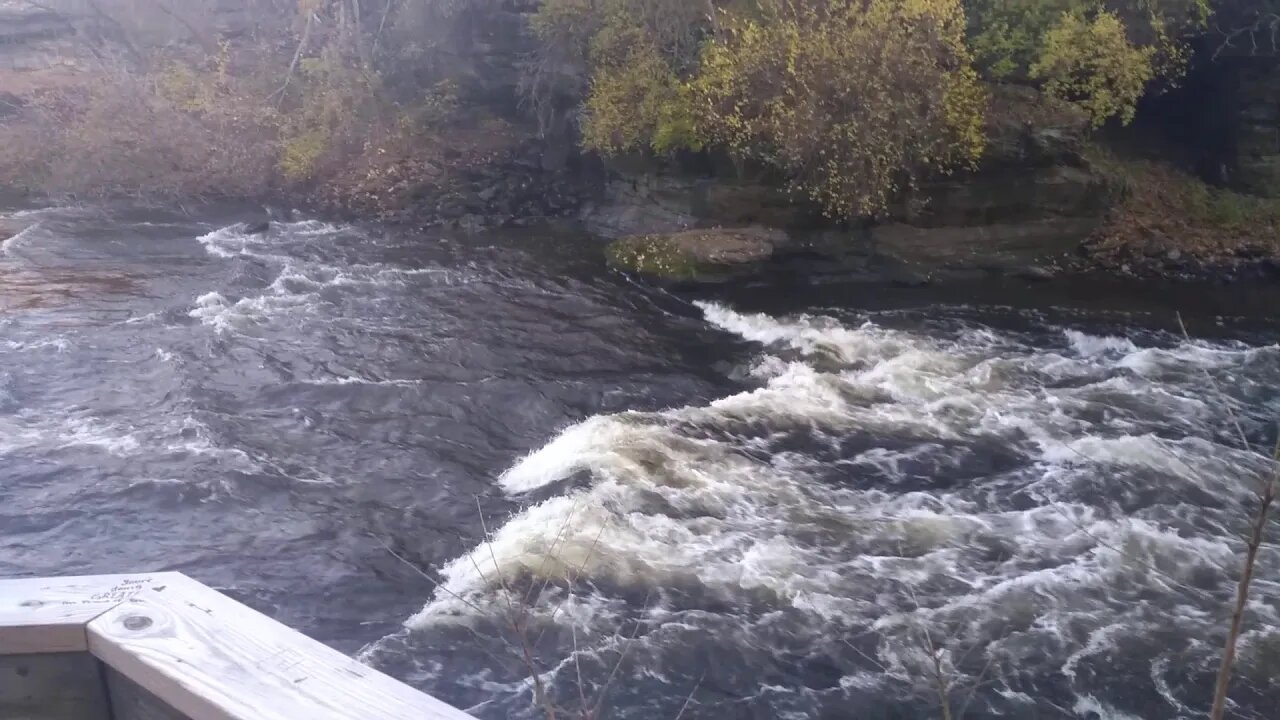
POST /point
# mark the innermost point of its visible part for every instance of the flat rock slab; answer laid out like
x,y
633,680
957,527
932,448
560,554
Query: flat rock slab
x,y
696,255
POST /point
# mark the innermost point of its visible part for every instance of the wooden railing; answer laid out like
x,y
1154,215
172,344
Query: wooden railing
x,y
161,646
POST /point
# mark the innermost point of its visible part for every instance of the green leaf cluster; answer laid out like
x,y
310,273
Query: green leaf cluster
x,y
1102,54
1092,62
850,98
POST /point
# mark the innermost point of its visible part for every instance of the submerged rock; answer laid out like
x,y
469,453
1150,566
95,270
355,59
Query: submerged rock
x,y
1034,273
711,255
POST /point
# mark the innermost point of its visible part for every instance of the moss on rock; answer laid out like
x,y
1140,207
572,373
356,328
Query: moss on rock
x,y
694,255
653,255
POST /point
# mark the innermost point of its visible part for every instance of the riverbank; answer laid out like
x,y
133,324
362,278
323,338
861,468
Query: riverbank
x,y
1050,199
1156,222
274,414
295,110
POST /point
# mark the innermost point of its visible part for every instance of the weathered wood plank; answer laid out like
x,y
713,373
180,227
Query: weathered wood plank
x,y
61,686
44,615
131,701
211,658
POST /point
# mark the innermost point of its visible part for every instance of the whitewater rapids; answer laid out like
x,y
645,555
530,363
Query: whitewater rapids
x,y
764,505
1041,511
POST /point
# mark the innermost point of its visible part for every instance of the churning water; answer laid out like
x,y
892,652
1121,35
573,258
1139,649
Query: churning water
x,y
747,507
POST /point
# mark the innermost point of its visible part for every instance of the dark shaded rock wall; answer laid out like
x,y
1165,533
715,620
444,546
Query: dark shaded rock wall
x,y
1257,126
1034,199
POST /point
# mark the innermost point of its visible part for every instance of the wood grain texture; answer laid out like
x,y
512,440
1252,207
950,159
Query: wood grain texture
x,y
61,686
44,615
211,658
131,701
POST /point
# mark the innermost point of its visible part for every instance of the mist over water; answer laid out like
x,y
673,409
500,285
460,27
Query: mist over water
x,y
765,508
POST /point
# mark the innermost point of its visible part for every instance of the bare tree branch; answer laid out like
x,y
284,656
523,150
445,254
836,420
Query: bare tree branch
x,y
1267,23
1266,499
297,56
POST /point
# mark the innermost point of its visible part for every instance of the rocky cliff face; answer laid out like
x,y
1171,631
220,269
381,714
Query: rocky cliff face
x,y
69,34
1257,125
31,37
1034,200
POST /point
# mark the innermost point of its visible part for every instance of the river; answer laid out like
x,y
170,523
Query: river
x,y
780,502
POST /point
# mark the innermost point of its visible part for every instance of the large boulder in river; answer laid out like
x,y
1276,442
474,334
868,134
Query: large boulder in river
x,y
710,255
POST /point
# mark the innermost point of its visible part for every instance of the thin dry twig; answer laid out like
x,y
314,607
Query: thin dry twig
x,y
941,681
1116,549
435,583
479,642
688,699
1264,22
1266,499
519,625
297,57
573,578
978,681
604,690
577,666
1235,420
1267,491
546,556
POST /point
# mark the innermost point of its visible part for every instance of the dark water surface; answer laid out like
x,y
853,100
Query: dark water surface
x,y
761,504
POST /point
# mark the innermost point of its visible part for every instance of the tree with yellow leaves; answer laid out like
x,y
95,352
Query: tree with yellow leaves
x,y
851,99
1101,54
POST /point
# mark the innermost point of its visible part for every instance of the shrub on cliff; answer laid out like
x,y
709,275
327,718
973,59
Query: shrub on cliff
x,y
1102,54
165,133
850,99
625,61
298,100
1091,62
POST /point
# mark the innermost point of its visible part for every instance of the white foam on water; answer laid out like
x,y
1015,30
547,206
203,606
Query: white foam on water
x,y
293,280
226,242
698,496
310,227
70,431
1094,345
189,436
1192,357
211,309
233,240
141,319
812,335
580,447
110,439
12,242
224,316
63,210
1191,458
1086,704
59,344
299,284
351,380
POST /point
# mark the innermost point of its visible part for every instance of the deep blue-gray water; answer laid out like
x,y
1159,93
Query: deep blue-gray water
x,y
750,503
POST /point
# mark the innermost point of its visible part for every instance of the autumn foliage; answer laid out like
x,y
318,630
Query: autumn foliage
x,y
300,98
850,99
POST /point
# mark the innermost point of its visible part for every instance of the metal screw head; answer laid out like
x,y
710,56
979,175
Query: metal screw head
x,y
137,622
